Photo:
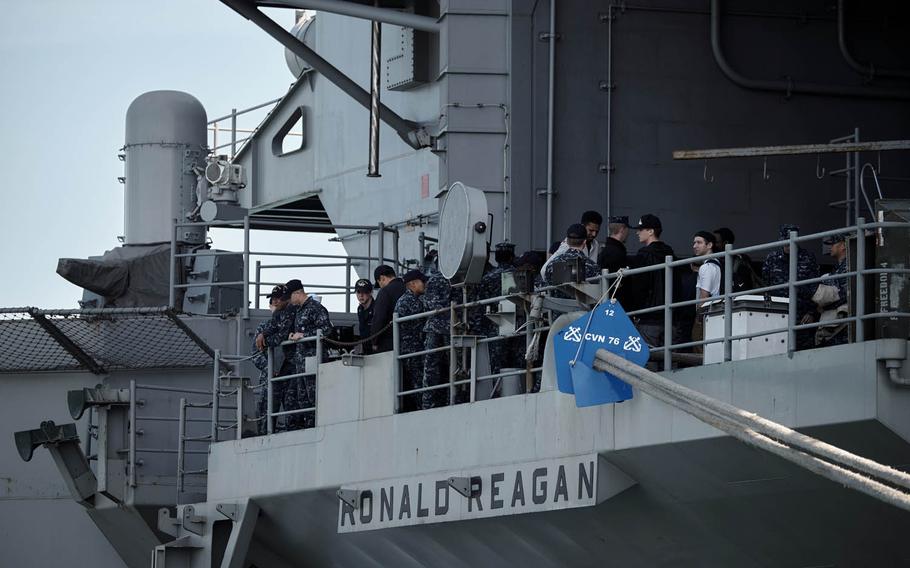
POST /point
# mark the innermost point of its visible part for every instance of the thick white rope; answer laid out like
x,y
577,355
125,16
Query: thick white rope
x,y
760,432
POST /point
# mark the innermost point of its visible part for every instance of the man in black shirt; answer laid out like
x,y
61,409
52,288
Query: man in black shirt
x,y
612,255
363,289
391,288
649,287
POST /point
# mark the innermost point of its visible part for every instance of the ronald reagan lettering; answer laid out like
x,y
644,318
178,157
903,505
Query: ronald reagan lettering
x,y
511,489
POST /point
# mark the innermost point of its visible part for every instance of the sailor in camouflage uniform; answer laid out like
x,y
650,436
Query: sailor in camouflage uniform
x,y
439,294
269,335
776,270
575,239
311,317
411,337
503,353
831,296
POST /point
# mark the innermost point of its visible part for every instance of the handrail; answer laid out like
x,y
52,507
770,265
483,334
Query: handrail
x,y
793,284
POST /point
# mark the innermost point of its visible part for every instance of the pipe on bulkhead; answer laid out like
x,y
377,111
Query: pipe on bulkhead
x,y
790,86
551,88
870,70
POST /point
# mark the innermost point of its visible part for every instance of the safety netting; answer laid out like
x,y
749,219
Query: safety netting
x,y
97,340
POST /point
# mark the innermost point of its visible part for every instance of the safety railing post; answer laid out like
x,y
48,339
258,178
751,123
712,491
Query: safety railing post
x,y
245,309
380,232
668,312
258,282
728,302
172,290
181,446
347,282
233,133
216,394
268,391
315,377
396,363
240,398
395,241
791,292
452,363
860,300
132,439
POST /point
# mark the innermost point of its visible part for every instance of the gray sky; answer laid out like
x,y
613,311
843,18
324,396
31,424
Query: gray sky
x,y
69,70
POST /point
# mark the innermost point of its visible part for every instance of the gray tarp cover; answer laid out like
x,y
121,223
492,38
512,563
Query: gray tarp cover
x,y
126,276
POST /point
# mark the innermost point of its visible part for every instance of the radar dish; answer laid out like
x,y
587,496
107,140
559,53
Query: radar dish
x,y
463,234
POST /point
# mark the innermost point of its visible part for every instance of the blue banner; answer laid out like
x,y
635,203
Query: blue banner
x,y
606,327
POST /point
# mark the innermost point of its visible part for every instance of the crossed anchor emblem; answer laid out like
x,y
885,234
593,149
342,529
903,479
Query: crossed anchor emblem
x,y
572,334
632,344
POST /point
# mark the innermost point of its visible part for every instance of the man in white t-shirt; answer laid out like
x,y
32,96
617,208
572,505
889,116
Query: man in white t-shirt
x,y
708,283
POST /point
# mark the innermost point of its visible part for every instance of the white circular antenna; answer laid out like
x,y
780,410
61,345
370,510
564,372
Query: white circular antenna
x,y
463,234
216,172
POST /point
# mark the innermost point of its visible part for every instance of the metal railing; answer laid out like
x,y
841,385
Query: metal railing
x,y
667,307
463,348
349,262
233,143
271,379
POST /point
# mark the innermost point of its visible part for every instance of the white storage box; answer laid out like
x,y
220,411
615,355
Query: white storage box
x,y
751,314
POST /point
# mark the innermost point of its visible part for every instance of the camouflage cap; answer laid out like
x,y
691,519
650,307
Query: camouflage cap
x,y
784,232
838,238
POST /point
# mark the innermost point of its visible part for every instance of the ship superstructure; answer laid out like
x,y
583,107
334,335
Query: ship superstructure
x,y
451,126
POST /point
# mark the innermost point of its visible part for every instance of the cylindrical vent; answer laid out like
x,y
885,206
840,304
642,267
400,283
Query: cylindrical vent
x,y
304,30
165,141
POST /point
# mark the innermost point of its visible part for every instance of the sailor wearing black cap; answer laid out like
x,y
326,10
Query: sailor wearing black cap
x,y
575,240
613,254
647,290
311,317
363,289
590,224
390,289
277,305
411,337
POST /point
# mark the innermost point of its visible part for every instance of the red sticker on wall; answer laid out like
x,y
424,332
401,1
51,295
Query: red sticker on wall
x,y
424,186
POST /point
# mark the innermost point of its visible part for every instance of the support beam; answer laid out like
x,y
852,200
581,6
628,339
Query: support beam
x,y
412,134
791,150
238,545
344,8
84,358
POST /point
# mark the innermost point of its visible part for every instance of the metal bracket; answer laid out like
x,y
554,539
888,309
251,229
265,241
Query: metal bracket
x,y
351,497
166,523
229,510
461,485
465,341
352,360
193,522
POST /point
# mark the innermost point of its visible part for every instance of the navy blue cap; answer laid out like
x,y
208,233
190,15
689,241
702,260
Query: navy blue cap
x,y
414,275
291,287
363,285
277,292
619,220
576,231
